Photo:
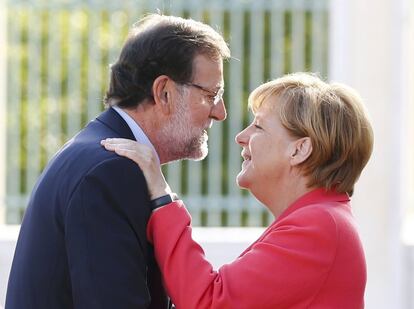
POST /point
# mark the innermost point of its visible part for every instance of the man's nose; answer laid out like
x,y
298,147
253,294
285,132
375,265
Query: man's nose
x,y
218,111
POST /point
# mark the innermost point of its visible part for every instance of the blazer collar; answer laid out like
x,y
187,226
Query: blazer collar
x,y
316,196
113,120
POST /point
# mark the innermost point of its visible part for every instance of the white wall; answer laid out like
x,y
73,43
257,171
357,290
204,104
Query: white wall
x,y
371,50
8,238
221,245
3,102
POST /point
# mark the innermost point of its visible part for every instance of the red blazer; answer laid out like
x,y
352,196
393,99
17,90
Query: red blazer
x,y
310,257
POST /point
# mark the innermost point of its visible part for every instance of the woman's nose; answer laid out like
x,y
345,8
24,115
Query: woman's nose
x,y
242,138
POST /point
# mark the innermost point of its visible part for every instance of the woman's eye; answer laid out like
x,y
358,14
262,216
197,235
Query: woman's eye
x,y
258,127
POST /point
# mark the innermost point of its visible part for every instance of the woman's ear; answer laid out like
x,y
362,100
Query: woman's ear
x,y
162,93
301,150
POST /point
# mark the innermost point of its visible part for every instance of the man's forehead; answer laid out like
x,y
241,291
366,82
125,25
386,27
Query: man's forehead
x,y
208,71
201,62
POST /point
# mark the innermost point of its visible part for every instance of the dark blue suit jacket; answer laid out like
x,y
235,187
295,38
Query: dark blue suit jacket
x,y
82,243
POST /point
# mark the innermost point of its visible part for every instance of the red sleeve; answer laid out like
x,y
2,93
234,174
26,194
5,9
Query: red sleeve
x,y
285,268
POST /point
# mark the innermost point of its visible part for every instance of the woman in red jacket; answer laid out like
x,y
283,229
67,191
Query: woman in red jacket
x,y
303,153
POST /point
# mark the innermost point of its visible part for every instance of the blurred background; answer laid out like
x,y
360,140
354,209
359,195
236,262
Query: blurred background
x,y
54,64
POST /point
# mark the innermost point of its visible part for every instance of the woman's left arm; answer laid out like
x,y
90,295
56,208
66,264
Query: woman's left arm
x,y
282,269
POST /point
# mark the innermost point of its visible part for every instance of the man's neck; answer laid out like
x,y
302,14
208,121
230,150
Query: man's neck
x,y
146,116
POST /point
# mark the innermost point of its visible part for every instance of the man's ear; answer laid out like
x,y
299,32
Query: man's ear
x,y
301,150
161,90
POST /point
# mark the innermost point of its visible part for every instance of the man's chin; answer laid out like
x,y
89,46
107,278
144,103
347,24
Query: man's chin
x,y
199,158
200,154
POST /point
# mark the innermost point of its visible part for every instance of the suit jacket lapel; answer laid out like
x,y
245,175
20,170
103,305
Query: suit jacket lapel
x,y
114,121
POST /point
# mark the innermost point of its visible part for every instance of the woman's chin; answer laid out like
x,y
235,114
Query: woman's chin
x,y
242,181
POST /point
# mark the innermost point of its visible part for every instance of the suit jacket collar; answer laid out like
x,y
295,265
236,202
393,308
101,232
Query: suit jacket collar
x,y
113,120
316,196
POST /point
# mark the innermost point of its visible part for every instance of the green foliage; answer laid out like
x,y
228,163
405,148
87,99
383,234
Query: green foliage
x,y
59,58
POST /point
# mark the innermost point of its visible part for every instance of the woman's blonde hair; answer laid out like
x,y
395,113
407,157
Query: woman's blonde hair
x,y
333,116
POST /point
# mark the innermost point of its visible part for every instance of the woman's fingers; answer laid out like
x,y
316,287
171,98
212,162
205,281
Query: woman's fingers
x,y
121,143
130,154
111,143
112,147
116,140
124,150
141,154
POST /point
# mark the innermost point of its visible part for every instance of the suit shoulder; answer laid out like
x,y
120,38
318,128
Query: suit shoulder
x,y
117,168
117,179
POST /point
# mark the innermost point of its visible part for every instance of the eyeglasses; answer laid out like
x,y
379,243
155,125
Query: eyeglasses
x,y
213,96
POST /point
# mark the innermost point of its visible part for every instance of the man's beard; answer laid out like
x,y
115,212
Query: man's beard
x,y
184,141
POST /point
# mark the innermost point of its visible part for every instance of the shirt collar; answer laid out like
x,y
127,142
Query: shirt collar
x,y
139,134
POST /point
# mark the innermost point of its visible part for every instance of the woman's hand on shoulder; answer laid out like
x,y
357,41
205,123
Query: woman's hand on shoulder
x,y
147,160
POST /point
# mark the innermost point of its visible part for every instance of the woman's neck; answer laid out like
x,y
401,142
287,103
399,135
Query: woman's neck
x,y
284,195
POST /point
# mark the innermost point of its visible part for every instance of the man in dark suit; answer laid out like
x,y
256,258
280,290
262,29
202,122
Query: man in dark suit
x,y
82,243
